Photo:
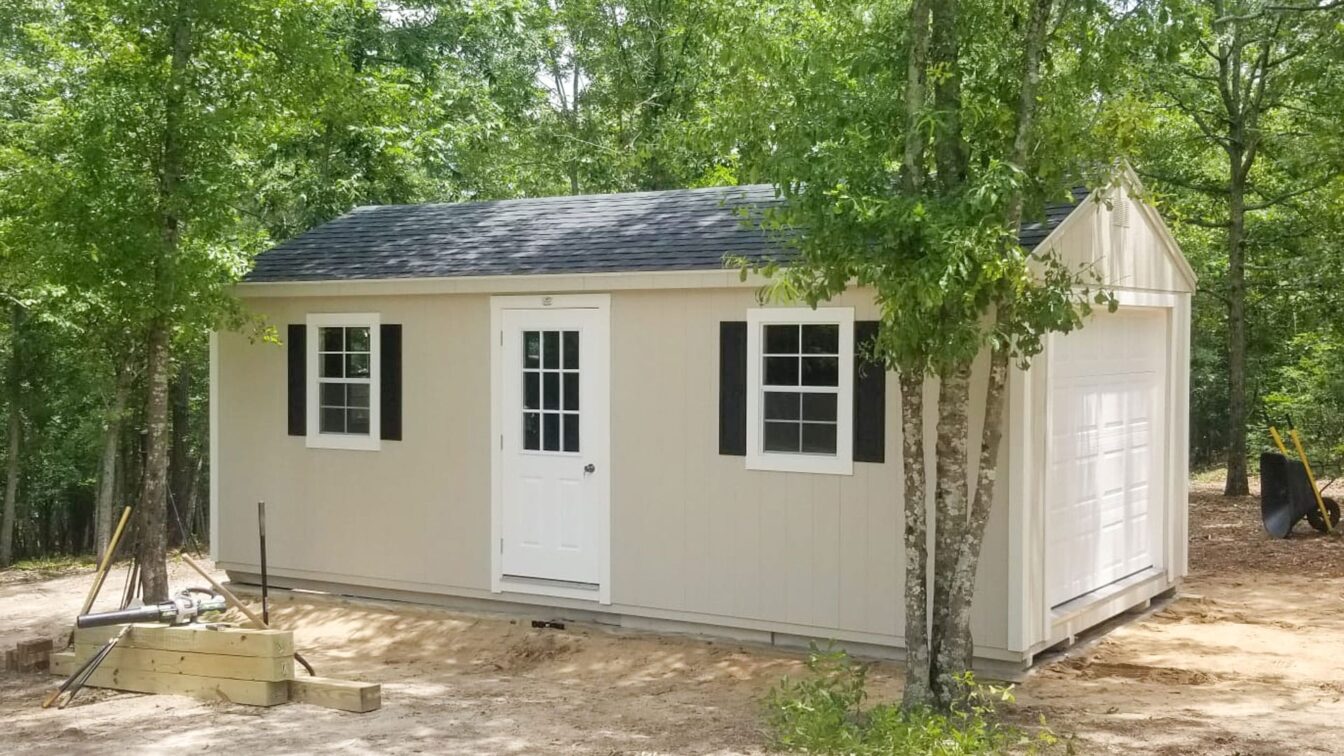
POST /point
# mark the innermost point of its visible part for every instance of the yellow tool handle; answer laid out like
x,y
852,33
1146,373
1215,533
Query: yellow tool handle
x,y
1278,440
1320,503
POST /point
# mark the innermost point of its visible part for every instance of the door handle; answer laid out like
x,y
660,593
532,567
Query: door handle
x,y
590,468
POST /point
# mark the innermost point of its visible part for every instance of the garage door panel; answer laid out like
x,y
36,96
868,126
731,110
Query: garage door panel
x,y
1107,471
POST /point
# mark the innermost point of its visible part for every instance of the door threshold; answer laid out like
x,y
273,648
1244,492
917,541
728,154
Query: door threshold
x,y
547,587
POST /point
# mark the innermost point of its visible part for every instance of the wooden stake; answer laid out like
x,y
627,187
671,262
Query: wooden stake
x,y
107,562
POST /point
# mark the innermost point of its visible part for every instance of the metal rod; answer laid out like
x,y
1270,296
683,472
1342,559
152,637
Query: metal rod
x,y
265,588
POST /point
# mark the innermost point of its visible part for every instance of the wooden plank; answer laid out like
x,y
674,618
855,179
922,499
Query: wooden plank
x,y
265,668
345,695
250,692
203,639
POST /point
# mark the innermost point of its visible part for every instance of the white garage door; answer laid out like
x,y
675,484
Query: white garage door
x,y
1107,452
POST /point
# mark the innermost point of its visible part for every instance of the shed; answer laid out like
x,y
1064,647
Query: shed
x,y
569,407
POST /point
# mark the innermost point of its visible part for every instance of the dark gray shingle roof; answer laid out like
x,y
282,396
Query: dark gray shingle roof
x,y
684,229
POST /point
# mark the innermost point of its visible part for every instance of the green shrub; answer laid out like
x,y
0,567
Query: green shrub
x,y
825,713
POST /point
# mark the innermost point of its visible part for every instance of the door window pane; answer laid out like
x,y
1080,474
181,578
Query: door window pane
x,y
571,350
550,431
571,432
532,430
550,349
550,390
531,349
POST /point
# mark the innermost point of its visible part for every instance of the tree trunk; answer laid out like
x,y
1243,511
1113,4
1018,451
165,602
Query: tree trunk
x,y
107,483
154,489
957,650
949,522
15,439
918,687
180,466
950,154
1237,483
154,485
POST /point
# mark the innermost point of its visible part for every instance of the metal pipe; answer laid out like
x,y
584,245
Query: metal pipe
x,y
265,592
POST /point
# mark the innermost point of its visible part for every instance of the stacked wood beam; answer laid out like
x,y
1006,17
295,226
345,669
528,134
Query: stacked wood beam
x,y
221,663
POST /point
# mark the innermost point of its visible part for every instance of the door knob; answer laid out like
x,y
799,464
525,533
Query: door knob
x,y
590,468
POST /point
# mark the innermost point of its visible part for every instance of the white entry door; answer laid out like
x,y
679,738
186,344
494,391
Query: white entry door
x,y
1107,481
553,443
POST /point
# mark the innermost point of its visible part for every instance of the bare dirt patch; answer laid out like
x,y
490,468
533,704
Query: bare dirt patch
x,y
1245,662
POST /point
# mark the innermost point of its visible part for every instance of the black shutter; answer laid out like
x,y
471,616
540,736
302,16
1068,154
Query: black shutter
x,y
389,386
870,398
733,388
297,339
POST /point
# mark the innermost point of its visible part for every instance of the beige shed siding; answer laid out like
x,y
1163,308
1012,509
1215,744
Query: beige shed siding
x,y
695,535
1133,256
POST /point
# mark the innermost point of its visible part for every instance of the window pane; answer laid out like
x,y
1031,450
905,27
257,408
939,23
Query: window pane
x,y
331,339
819,438
821,339
331,395
357,395
531,349
781,437
532,390
357,365
357,339
571,391
532,430
331,420
550,394
550,349
781,405
821,371
550,431
781,371
571,350
332,366
819,407
781,339
357,421
571,432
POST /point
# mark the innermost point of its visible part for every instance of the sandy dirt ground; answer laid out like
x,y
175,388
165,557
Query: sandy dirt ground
x,y
1245,661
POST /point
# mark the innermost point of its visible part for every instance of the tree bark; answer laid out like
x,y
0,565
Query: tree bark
x,y
153,546
916,75
949,521
107,483
950,153
180,465
918,686
15,438
958,646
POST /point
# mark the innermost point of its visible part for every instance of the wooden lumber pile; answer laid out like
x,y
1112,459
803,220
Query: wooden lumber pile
x,y
219,663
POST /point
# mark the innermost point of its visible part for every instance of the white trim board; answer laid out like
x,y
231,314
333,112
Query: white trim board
x,y
499,583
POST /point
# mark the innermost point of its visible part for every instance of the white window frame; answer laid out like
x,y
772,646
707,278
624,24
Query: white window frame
x,y
315,439
842,462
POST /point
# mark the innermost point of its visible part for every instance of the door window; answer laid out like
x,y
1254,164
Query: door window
x,y
551,391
